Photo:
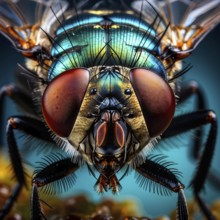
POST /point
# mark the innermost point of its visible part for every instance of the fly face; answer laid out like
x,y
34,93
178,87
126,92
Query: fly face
x,y
118,116
111,138
116,113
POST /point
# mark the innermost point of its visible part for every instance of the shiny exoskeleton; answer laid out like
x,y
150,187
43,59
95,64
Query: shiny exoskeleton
x,y
105,84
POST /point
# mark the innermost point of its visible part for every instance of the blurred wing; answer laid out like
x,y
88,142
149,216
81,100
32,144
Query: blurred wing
x,y
11,20
22,32
189,21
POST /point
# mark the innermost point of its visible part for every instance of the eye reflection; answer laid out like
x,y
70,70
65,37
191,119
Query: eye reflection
x,y
127,92
93,91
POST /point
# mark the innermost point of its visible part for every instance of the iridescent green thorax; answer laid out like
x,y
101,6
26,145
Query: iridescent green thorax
x,y
110,84
115,39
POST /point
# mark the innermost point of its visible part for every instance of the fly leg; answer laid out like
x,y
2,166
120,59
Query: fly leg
x,y
189,121
51,173
193,88
32,127
190,89
21,98
163,176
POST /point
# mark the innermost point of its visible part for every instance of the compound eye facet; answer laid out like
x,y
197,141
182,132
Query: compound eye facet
x,y
62,100
156,99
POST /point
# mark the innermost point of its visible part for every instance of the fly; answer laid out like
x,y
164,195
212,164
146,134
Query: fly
x,y
104,85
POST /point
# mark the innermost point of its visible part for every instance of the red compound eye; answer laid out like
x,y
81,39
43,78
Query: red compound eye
x,y
156,99
62,100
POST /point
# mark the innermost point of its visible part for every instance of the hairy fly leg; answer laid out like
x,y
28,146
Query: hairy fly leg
x,y
59,173
160,173
190,121
32,127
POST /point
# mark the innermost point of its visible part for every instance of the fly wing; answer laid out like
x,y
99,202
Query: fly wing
x,y
189,21
11,17
23,32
